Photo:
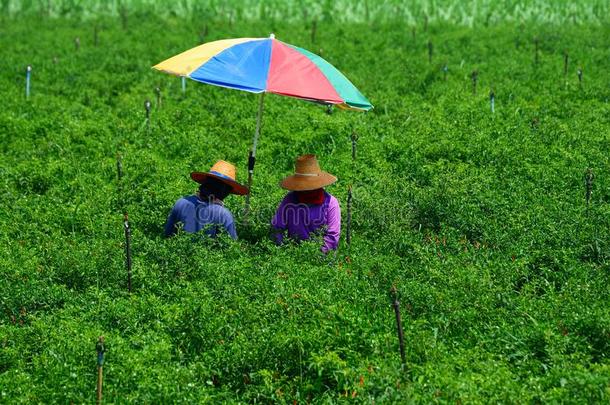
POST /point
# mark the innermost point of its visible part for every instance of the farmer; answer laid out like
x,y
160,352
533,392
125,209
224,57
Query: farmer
x,y
205,210
308,209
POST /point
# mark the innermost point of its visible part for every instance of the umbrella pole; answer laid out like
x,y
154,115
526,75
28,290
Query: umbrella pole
x,y
252,156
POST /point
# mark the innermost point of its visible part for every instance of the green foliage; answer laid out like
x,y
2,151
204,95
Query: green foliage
x,y
478,219
470,12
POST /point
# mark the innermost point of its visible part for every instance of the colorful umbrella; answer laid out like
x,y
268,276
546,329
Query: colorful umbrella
x,y
266,65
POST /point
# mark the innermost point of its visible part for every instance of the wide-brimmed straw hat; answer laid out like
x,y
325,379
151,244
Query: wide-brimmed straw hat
x,y
225,172
307,175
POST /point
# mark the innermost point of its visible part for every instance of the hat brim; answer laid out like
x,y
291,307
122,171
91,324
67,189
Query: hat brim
x,y
236,188
307,183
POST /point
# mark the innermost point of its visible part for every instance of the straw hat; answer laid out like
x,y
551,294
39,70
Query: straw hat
x,y
225,172
307,176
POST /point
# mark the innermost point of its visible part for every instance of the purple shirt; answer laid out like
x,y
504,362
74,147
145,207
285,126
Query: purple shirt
x,y
196,214
300,220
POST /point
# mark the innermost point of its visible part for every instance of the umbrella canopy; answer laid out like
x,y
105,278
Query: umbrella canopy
x,y
267,65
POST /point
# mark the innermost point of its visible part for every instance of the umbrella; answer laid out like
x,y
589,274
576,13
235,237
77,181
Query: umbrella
x,y
266,65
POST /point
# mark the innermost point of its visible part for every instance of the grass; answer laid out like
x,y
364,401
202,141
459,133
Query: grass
x,y
479,220
469,13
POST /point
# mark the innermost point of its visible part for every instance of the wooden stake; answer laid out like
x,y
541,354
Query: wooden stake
x,y
430,49
127,250
203,34
28,74
401,339
183,85
159,100
492,100
579,72
123,12
252,154
314,28
119,173
445,69
474,75
119,167
147,108
487,18
354,141
100,367
565,63
348,238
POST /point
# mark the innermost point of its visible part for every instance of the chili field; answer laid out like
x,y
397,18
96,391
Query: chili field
x,y
493,226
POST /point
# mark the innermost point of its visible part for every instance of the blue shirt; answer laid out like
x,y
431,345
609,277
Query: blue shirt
x,y
196,214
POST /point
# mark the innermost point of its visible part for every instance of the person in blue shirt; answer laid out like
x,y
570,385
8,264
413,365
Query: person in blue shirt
x,y
205,210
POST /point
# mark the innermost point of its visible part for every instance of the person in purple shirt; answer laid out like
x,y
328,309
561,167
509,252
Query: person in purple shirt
x,y
206,210
307,209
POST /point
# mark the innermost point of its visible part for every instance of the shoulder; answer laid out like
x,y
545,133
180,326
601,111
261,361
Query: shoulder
x,y
186,201
332,201
288,199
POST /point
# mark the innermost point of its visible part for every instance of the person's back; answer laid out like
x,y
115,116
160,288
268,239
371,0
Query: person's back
x,y
205,210
196,214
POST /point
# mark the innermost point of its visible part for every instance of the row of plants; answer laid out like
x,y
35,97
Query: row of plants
x,y
469,13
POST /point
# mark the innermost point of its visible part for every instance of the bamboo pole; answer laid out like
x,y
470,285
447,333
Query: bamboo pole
x,y
159,99
119,167
588,186
28,74
401,339
147,108
127,250
252,155
474,76
348,239
100,368
354,141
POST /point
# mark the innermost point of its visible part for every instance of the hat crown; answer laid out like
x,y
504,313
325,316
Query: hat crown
x,y
307,164
307,175
225,169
